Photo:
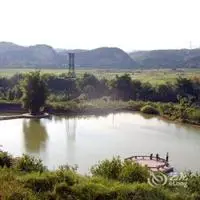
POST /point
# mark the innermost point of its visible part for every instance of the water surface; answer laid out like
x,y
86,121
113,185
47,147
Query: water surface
x,y
86,140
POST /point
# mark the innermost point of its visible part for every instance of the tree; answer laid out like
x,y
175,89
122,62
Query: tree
x,y
136,87
89,79
184,86
185,91
123,86
146,92
34,92
89,91
165,93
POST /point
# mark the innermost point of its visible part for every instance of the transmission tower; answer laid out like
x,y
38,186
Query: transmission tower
x,y
71,65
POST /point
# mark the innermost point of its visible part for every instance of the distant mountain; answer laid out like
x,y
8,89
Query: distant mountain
x,y
105,57
9,47
41,56
167,58
12,55
44,56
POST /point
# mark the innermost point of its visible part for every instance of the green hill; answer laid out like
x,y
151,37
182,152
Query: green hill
x,y
44,56
167,58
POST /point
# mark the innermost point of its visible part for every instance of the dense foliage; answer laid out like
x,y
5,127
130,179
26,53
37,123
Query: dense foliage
x,y
122,87
27,179
148,109
34,92
125,171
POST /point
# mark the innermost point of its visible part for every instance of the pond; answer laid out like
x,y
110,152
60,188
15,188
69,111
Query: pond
x,y
85,140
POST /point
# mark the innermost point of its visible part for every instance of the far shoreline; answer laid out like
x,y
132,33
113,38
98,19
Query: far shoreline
x,y
64,108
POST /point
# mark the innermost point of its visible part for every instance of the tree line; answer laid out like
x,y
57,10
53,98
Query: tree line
x,y
62,88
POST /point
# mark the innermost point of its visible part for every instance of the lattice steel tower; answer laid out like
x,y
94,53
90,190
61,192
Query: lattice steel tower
x,y
71,65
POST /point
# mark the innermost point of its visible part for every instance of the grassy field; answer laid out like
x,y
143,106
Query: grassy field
x,y
152,76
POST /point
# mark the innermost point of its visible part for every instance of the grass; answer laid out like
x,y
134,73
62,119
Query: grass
x,y
113,179
171,111
98,106
152,76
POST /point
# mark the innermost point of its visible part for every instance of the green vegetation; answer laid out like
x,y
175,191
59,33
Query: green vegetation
x,y
171,111
148,109
27,179
179,100
34,92
126,171
155,77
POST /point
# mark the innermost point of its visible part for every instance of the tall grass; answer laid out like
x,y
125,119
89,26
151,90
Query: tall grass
x,y
110,180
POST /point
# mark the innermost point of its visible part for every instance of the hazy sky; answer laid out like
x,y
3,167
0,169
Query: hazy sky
x,y
87,24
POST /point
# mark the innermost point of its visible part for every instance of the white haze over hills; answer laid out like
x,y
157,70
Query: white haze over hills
x,y
127,24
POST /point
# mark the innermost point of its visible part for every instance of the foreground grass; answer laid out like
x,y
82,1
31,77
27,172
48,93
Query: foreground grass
x,y
25,178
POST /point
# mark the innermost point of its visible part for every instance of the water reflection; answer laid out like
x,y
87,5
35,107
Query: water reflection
x,y
35,136
84,140
71,125
145,116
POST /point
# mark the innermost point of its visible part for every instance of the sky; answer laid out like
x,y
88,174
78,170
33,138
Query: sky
x,y
87,24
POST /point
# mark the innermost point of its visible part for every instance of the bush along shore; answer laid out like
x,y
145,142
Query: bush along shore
x,y
171,111
25,178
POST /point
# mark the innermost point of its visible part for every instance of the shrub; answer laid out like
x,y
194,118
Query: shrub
x,y
99,191
108,168
11,188
21,196
116,169
81,97
48,196
195,196
133,172
193,183
6,160
69,106
149,110
29,164
140,192
113,180
88,190
193,114
67,175
106,98
166,108
43,182
63,191
39,182
135,105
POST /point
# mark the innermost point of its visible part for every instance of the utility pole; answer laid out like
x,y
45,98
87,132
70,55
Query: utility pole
x,y
71,65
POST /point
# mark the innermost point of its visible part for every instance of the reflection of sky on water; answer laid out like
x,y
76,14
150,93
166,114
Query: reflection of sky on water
x,y
85,140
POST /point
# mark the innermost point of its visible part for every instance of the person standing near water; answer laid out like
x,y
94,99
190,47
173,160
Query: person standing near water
x,y
167,157
157,157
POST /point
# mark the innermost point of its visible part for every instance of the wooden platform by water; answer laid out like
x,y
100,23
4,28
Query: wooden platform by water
x,y
154,164
25,116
